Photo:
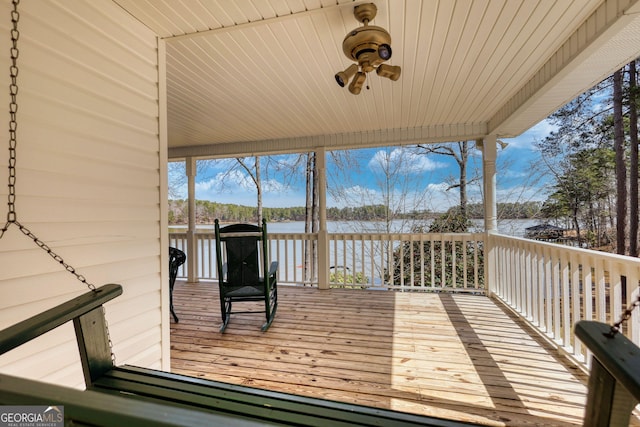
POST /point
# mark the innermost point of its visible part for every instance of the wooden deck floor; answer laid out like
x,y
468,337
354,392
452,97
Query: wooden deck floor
x,y
459,357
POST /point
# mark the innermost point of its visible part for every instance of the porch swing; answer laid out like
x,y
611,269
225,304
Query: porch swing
x,y
134,396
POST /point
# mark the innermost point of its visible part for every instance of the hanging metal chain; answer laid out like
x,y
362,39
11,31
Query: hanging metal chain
x,y
13,110
626,315
12,217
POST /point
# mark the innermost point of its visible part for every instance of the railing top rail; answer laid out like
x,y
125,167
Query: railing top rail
x,y
409,235
554,246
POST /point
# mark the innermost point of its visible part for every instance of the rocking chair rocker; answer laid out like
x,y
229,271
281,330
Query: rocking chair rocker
x,y
242,259
176,259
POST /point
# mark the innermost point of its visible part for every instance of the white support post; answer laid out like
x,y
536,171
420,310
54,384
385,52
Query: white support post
x,y
489,155
164,208
323,235
192,244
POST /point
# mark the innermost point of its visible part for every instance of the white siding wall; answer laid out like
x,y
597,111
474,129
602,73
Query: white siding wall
x,y
89,181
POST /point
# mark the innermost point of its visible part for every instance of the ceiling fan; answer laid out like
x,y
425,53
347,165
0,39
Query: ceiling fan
x,y
369,46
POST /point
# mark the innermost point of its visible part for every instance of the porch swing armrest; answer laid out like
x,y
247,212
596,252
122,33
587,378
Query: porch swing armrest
x,y
614,380
28,329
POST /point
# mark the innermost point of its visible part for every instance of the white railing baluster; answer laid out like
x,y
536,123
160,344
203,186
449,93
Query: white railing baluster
x,y
615,291
536,296
601,293
565,329
548,285
575,301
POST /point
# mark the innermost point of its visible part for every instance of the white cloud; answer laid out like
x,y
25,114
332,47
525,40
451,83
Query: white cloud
x,y
402,159
527,139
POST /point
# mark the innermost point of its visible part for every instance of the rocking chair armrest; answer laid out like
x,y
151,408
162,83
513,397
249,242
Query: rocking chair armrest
x,y
273,268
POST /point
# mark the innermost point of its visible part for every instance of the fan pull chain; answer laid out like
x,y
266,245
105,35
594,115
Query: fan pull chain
x,y
626,315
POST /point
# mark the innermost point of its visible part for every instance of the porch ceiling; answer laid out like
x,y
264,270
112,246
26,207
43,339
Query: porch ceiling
x,y
257,76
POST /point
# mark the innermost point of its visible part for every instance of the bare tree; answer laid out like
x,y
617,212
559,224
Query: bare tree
x,y
255,174
459,151
633,161
621,171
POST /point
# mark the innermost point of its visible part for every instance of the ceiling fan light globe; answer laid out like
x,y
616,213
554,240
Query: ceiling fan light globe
x,y
384,52
343,77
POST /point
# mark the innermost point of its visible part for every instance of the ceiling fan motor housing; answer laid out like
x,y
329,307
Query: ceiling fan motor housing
x,y
369,46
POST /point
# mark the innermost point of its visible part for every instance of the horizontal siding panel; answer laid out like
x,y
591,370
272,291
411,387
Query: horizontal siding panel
x,y
35,293
106,172
91,146
62,355
87,46
83,258
88,178
125,334
134,346
45,92
89,123
133,308
103,189
147,358
78,232
70,209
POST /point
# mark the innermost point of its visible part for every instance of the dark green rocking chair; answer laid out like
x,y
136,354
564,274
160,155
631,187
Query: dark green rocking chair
x,y
242,260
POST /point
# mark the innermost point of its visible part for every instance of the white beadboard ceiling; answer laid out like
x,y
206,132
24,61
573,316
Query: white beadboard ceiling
x,y
257,76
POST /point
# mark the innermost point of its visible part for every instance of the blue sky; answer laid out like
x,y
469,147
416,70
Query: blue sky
x,y
423,184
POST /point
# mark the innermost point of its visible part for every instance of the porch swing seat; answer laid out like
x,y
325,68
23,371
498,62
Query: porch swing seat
x,y
133,396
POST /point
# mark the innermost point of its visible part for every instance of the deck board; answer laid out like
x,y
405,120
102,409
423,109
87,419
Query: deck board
x,y
456,356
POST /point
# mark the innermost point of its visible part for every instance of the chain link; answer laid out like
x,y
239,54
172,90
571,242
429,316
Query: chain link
x,y
106,327
626,315
53,255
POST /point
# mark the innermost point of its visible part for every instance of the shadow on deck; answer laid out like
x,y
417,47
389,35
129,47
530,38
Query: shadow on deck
x,y
460,357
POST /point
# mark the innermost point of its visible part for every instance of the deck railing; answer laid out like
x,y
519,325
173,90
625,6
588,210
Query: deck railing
x,y
402,261
551,286
554,286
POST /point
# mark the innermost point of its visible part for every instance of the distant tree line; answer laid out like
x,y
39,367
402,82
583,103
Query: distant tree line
x,y
207,211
